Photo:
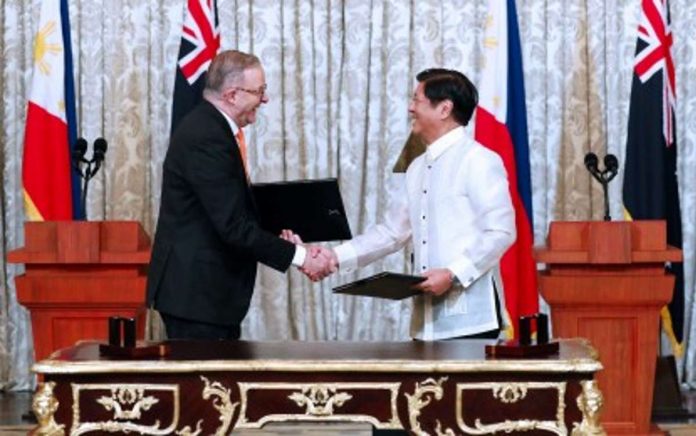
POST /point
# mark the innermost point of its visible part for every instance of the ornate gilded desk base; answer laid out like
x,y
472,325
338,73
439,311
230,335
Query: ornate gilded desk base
x,y
427,397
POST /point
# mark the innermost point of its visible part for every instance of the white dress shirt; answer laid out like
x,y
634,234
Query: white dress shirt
x,y
458,211
300,252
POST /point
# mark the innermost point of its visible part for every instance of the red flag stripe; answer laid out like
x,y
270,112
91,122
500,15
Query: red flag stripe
x,y
655,17
649,61
205,22
200,30
196,63
517,266
42,151
656,56
659,24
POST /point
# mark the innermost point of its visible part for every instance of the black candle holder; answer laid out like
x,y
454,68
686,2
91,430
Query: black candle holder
x,y
121,331
122,342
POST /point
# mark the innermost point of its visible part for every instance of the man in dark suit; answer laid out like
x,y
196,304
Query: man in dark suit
x,y
208,241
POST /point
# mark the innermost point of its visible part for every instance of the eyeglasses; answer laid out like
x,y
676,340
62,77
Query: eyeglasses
x,y
260,92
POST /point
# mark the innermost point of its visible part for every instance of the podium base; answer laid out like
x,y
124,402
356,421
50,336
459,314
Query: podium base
x,y
655,431
667,399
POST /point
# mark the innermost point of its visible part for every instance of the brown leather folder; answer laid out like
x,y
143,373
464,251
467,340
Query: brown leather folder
x,y
393,286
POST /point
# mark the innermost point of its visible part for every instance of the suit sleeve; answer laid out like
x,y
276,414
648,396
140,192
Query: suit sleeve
x,y
217,177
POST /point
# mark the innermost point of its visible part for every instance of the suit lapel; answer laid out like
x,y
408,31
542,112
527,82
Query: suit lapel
x,y
234,148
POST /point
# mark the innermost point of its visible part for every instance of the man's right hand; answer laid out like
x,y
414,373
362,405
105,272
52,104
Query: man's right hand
x,y
319,263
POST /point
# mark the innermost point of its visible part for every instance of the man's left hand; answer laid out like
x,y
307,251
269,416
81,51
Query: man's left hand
x,y
437,281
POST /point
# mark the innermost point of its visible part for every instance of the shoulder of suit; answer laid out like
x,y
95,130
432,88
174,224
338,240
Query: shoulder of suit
x,y
208,111
203,119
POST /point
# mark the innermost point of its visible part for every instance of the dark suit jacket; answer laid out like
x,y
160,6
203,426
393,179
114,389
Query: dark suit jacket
x,y
208,240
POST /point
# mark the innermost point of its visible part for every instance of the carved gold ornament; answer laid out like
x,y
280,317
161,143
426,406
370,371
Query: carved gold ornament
x,y
44,405
423,394
221,402
123,397
590,403
320,402
508,392
187,431
127,402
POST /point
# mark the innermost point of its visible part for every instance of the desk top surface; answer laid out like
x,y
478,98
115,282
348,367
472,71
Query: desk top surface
x,y
575,355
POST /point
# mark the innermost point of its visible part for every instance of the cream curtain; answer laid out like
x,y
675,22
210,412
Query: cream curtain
x,y
340,75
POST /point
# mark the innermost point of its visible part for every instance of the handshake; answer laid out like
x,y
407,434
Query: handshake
x,y
319,263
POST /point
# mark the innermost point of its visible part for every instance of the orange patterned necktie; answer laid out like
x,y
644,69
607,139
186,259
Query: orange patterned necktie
x,y
241,142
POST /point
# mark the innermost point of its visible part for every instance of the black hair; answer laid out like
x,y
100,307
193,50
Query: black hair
x,y
441,84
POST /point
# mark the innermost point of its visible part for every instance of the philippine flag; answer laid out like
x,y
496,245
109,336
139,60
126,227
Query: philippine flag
x,y
51,186
501,125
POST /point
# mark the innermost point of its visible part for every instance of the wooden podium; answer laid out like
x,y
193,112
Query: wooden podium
x,y
78,274
606,281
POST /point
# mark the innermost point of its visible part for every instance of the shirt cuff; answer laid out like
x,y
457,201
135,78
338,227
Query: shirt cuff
x,y
300,255
347,257
465,271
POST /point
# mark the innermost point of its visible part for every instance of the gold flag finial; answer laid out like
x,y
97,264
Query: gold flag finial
x,y
413,148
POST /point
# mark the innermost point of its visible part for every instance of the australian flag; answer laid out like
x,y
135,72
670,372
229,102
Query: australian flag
x,y
200,42
650,190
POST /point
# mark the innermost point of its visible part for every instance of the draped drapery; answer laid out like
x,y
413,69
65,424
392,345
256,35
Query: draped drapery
x,y
340,75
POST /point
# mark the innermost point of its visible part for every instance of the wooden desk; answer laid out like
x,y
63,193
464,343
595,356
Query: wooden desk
x,y
443,388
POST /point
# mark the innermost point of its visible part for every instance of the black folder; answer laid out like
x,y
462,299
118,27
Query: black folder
x,y
311,208
393,286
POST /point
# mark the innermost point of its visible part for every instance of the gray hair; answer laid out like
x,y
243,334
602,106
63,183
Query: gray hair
x,y
228,67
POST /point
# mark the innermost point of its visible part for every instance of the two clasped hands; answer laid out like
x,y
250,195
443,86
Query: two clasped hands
x,y
321,262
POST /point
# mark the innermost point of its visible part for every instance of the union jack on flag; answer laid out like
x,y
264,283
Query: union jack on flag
x,y
654,55
651,188
200,42
202,30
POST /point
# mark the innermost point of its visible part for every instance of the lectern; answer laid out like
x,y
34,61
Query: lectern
x,y
78,274
606,281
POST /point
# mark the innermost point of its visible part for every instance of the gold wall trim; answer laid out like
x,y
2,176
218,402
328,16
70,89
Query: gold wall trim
x,y
590,403
320,401
511,392
127,401
44,404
